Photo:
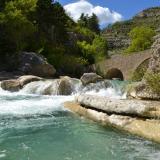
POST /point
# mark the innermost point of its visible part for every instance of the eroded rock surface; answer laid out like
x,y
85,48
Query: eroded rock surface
x,y
145,128
90,78
125,107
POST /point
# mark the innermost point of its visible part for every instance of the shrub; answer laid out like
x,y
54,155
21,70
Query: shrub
x,y
153,80
141,39
94,52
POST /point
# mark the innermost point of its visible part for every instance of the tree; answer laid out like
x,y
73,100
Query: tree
x,y
141,39
90,22
51,20
14,23
83,20
93,24
94,52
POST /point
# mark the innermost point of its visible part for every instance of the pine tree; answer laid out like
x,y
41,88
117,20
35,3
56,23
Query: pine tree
x,y
93,24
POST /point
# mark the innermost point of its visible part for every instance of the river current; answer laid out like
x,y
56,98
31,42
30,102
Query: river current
x,y
37,127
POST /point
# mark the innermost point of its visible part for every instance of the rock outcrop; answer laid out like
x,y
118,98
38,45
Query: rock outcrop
x,y
35,64
154,64
145,128
124,107
90,78
140,90
17,84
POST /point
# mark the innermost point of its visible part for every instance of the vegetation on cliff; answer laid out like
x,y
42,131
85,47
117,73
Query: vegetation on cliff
x,y
117,34
141,39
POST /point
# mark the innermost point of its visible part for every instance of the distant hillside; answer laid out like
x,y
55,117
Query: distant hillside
x,y
117,34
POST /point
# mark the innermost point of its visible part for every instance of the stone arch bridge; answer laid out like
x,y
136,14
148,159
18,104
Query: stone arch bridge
x,y
122,66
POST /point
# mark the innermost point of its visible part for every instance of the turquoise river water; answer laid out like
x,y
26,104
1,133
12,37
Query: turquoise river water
x,y
37,127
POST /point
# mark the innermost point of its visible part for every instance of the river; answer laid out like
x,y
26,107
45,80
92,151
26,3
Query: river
x,y
37,127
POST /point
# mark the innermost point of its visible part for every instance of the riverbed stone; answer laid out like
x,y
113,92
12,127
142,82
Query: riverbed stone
x,y
90,78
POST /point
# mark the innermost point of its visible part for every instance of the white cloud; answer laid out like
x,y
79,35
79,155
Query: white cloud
x,y
105,15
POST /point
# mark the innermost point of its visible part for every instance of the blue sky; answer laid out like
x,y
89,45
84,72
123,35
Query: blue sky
x,y
127,8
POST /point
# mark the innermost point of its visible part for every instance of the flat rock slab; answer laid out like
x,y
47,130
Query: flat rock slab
x,y
118,106
149,129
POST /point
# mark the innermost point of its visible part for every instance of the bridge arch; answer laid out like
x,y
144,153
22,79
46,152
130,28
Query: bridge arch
x,y
114,73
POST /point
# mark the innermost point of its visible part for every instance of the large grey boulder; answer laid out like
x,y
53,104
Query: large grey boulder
x,y
90,78
14,85
35,64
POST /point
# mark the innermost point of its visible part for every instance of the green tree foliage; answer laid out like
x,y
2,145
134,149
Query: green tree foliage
x,y
52,21
94,52
93,24
42,26
15,25
90,22
141,39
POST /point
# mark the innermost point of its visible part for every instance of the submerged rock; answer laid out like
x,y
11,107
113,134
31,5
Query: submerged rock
x,y
90,78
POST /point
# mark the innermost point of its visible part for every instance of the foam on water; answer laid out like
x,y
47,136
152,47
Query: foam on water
x,y
20,103
32,99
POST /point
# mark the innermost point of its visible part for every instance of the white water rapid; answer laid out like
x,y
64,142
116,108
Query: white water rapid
x,y
43,97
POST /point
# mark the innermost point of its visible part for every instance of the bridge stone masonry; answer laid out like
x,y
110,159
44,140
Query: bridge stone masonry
x,y
122,66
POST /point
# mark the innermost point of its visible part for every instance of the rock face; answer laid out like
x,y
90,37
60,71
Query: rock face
x,y
17,84
154,65
124,107
90,78
141,90
35,64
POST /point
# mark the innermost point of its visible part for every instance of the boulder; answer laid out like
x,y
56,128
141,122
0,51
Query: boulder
x,y
27,79
11,85
14,85
90,78
65,86
35,64
124,107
